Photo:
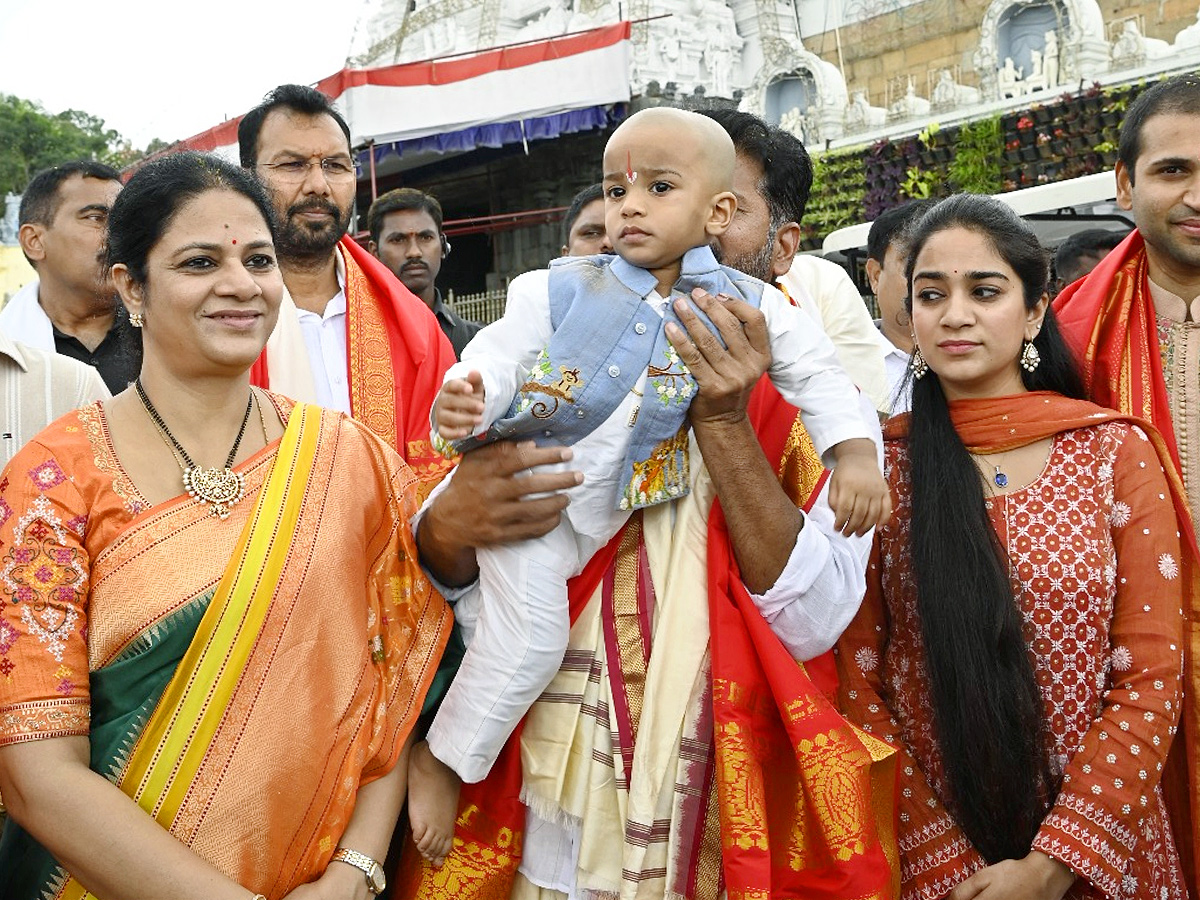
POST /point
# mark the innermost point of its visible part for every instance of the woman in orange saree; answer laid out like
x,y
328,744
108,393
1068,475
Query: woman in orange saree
x,y
1021,637
205,694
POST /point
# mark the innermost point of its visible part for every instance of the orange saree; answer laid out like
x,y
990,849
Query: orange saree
x,y
103,596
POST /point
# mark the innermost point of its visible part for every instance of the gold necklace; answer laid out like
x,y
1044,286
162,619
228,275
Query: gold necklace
x,y
219,488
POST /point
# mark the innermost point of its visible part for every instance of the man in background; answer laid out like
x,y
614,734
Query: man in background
x,y
349,335
583,226
887,259
71,308
1082,252
406,236
772,178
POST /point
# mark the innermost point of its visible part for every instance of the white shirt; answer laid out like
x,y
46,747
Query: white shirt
x,y
24,320
895,364
823,290
325,340
36,387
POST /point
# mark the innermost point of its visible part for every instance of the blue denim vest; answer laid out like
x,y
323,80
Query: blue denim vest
x,y
605,336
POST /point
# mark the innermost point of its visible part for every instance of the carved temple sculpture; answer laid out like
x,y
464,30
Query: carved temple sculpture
x,y
1024,48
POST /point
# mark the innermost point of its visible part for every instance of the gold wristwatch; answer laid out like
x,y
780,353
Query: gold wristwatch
x,y
376,880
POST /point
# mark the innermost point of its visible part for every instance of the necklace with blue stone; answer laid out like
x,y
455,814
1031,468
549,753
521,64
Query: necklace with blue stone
x,y
999,478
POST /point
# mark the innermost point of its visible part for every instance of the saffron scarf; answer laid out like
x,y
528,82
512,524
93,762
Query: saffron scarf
x,y
807,800
172,746
1108,319
1003,423
806,807
396,356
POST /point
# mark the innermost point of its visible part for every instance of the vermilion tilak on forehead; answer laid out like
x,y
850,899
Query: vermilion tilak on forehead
x,y
630,175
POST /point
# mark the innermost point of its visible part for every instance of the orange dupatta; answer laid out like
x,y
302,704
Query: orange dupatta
x,y
995,425
396,355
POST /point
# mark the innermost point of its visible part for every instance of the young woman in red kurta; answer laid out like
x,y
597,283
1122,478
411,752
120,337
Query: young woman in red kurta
x,y
1021,638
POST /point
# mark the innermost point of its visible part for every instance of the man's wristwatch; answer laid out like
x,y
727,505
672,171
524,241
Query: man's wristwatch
x,y
376,880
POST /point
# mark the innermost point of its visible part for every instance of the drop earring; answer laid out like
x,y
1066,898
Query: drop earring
x,y
917,364
1030,358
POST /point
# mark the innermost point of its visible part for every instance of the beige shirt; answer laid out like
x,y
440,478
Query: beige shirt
x,y
823,290
1179,342
36,387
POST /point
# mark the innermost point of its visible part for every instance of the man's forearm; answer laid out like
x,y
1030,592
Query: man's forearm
x,y
444,553
486,502
763,523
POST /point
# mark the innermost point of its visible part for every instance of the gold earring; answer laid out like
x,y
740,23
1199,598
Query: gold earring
x,y
917,364
1030,358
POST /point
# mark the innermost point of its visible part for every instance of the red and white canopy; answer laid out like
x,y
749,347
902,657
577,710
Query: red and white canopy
x,y
456,94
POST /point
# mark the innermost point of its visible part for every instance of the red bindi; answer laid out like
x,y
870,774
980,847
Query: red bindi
x,y
234,242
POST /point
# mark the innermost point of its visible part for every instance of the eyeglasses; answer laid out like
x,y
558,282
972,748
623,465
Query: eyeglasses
x,y
334,168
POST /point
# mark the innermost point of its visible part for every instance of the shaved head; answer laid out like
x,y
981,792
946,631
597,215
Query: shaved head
x,y
668,188
696,142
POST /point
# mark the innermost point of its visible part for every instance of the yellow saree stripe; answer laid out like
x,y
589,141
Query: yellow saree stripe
x,y
172,746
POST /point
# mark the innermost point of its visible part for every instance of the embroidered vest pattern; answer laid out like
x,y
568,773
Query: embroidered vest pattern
x,y
605,336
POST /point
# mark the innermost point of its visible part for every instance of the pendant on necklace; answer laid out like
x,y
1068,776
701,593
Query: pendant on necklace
x,y
1000,478
219,488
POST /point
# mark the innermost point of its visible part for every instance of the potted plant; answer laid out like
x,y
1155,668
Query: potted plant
x,y
1107,151
1044,149
976,163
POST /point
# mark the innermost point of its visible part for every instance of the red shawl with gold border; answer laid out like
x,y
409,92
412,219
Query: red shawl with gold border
x,y
396,355
806,801
1108,319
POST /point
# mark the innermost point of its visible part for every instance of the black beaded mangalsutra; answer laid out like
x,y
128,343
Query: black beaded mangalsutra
x,y
219,488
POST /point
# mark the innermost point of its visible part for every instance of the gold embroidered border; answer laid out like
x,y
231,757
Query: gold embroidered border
x,y
40,719
372,384
92,419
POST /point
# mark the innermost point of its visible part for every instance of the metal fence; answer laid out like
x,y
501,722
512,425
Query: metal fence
x,y
484,308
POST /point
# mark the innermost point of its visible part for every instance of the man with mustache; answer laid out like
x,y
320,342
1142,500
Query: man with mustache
x,y
72,309
771,180
349,336
406,236
1133,318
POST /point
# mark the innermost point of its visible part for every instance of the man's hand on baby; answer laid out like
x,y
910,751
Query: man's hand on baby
x,y
858,494
458,411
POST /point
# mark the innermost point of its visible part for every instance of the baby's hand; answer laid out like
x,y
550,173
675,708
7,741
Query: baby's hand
x,y
458,410
858,495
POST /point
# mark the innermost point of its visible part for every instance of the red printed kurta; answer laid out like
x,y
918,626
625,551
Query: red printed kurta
x,y
1094,550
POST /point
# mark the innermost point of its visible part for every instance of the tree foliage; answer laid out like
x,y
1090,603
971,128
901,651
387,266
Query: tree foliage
x,y
33,139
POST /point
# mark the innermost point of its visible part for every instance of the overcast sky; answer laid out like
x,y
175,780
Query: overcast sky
x,y
169,70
